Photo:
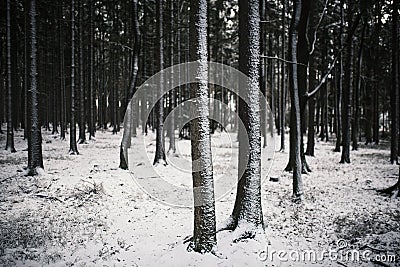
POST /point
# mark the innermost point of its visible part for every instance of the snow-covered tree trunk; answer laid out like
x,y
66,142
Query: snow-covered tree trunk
x,y
10,132
73,149
204,234
172,146
160,149
35,158
247,217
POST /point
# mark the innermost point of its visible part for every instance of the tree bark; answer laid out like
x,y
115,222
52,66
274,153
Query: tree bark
x,y
295,123
129,123
247,216
73,149
204,234
10,129
35,158
160,149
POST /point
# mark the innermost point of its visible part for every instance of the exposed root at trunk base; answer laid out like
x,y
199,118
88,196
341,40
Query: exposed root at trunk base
x,y
392,191
245,230
242,230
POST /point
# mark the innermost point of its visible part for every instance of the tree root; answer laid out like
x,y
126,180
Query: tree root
x,y
393,191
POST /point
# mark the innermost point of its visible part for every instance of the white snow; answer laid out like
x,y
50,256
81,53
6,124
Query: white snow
x,y
85,211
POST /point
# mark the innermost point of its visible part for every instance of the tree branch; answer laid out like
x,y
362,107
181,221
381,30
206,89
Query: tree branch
x,y
284,60
348,39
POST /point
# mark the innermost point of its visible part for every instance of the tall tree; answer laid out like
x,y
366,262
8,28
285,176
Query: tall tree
x,y
10,131
394,97
82,117
73,149
283,78
302,56
128,121
35,158
347,91
160,150
295,120
204,234
247,217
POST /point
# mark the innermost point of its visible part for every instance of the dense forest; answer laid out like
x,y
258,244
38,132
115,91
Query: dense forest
x,y
317,73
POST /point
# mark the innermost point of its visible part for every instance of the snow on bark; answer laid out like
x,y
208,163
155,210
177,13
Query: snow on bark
x,y
204,234
247,217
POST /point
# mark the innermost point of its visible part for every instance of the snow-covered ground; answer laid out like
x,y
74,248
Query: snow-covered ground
x,y
85,211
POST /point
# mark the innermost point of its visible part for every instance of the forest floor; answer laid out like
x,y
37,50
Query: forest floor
x,y
85,211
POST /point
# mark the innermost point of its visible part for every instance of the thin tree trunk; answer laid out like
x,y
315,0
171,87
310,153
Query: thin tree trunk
x,y
347,95
129,120
73,149
295,124
160,150
356,120
283,81
82,122
10,131
394,98
92,128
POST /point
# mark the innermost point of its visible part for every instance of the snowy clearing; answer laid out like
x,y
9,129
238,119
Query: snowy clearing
x,y
85,211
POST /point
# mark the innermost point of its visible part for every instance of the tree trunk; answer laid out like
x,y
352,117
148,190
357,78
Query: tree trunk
x,y
73,149
10,131
160,149
35,158
394,98
295,122
204,234
129,115
92,119
82,122
356,120
247,216
283,82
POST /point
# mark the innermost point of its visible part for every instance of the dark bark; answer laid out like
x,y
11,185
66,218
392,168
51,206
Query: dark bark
x,y
295,122
92,128
73,149
394,97
130,119
356,120
82,117
10,129
160,149
302,56
204,235
283,81
347,94
35,158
